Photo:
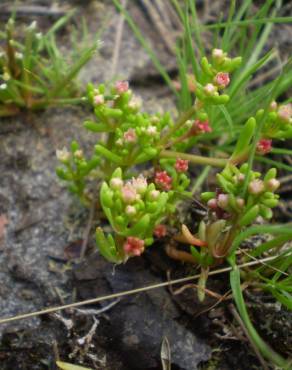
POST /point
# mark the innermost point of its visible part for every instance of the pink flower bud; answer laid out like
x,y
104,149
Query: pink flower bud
x,y
154,194
272,184
129,194
163,180
210,89
212,203
240,177
130,210
273,106
139,184
122,86
116,183
240,202
134,246
222,79
256,187
160,231
200,127
130,136
264,146
285,112
98,99
223,200
181,165
218,54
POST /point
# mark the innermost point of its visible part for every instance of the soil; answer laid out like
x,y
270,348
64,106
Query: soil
x,y
44,231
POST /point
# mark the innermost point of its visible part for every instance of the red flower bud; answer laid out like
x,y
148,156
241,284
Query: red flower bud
x,y
134,246
122,86
163,180
181,165
264,146
222,79
200,127
160,231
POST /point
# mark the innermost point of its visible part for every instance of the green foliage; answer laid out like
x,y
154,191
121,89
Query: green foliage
x,y
133,209
33,71
232,120
66,366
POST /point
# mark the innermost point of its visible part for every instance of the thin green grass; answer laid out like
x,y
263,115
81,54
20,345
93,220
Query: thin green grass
x,y
247,34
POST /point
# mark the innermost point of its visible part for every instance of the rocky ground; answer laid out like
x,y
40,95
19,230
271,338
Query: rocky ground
x,y
45,227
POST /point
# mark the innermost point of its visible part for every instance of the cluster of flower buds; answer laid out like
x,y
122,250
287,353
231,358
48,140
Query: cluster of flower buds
x,y
172,175
75,168
278,125
134,209
118,114
214,78
230,202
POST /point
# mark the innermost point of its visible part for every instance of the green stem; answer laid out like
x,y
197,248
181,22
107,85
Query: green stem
x,y
42,103
180,122
265,349
197,159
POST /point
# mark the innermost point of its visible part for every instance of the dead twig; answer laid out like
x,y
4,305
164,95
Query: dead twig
x,y
68,323
196,287
87,339
129,292
93,312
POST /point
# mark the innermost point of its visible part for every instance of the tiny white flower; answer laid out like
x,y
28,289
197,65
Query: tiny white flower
x,y
116,183
189,123
151,130
210,89
273,184
135,102
18,55
223,200
63,155
33,25
3,86
273,106
98,99
256,187
217,53
130,210
6,76
119,142
154,194
139,184
78,154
